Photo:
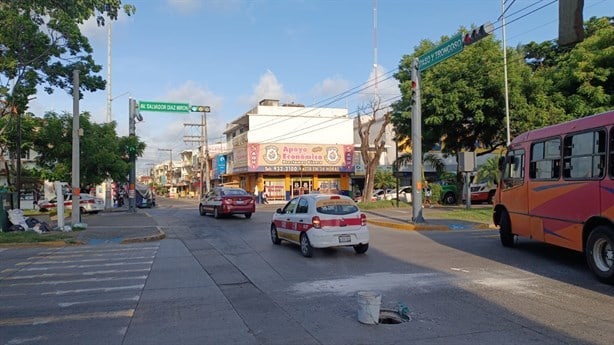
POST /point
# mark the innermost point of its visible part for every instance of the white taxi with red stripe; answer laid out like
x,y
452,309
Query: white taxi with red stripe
x,y
321,221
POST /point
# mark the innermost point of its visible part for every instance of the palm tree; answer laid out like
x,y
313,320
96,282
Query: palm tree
x,y
430,158
489,172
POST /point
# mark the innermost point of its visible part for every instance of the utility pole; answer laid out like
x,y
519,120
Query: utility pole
x,y
134,115
204,145
76,131
170,166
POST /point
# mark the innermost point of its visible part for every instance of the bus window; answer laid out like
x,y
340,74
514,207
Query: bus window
x,y
584,155
546,160
513,173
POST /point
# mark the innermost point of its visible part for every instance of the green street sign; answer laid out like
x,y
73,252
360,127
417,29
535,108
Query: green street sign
x,y
164,107
200,109
443,51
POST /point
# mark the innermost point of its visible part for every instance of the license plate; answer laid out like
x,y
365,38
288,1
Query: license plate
x,y
345,238
239,202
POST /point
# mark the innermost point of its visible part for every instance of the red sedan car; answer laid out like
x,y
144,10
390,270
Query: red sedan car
x,y
221,201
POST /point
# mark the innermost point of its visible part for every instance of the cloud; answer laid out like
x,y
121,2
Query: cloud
x,y
330,87
268,87
95,33
192,6
169,130
385,86
185,6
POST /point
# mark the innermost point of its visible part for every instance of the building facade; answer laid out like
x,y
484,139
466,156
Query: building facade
x,y
290,149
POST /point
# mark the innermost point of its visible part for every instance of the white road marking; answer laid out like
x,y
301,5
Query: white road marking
x,y
41,320
107,289
70,304
58,282
42,262
91,273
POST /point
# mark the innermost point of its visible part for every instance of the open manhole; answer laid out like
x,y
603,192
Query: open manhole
x,y
390,317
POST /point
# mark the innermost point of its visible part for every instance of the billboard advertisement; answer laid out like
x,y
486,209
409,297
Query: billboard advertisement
x,y
297,158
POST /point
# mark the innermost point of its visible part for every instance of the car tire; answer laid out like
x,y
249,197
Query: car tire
x,y
306,248
599,249
449,199
201,210
361,248
248,215
216,213
274,238
505,230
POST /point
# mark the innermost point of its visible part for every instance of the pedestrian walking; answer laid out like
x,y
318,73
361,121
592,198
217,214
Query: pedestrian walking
x,y
265,196
427,194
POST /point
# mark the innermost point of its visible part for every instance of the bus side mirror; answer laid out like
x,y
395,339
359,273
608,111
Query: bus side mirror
x,y
501,163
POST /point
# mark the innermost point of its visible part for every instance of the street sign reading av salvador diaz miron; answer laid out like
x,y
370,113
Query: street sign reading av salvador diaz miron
x,y
164,107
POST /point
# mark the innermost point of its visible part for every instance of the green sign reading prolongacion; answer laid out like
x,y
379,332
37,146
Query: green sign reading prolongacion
x,y
443,51
164,107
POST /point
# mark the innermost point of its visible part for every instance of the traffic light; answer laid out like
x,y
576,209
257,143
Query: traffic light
x,y
477,34
134,113
200,109
414,89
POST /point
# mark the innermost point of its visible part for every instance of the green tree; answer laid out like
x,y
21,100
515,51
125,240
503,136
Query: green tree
x,y
583,77
463,99
489,171
103,154
384,179
41,44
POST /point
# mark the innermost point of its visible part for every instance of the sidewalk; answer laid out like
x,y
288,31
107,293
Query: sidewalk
x,y
401,219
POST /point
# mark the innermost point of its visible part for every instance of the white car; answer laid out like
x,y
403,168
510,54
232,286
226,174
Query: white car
x,y
87,204
321,221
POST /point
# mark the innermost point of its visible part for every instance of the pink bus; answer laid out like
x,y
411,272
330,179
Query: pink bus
x,y
557,187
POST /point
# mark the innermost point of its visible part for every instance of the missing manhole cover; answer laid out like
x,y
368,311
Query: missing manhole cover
x,y
390,317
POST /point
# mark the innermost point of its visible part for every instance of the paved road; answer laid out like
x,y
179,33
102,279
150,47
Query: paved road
x,y
221,281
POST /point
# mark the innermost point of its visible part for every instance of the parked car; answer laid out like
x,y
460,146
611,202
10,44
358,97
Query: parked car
x,y
404,194
321,221
227,201
448,191
87,204
482,192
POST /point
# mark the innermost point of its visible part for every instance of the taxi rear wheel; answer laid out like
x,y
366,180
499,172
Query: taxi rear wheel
x,y
274,236
306,248
216,213
361,248
201,210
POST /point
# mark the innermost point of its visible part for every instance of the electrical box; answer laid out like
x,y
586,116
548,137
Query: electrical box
x,y
466,161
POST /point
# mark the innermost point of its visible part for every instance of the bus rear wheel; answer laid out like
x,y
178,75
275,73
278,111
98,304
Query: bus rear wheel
x,y
600,253
505,230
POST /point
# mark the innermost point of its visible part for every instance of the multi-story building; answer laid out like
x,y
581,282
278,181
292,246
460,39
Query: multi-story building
x,y
289,149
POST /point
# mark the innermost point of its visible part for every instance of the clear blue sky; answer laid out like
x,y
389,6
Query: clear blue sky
x,y
229,54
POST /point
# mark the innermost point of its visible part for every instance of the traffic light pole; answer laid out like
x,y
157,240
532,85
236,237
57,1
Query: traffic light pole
x,y
132,156
416,138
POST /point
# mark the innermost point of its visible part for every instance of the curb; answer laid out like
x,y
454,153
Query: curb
x,y
159,236
408,227
421,227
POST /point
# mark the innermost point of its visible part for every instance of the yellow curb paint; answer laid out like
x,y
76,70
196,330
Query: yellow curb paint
x,y
410,227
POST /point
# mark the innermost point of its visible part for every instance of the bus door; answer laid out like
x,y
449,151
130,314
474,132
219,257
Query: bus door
x,y
514,191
